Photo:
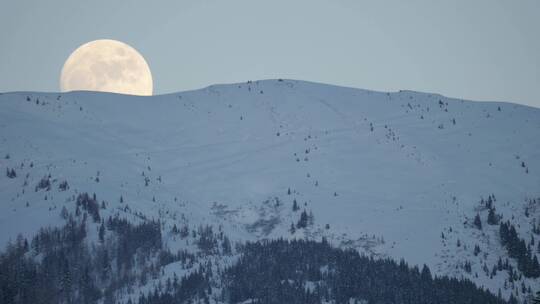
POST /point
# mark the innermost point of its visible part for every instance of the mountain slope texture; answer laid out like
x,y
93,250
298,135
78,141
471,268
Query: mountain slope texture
x,y
172,198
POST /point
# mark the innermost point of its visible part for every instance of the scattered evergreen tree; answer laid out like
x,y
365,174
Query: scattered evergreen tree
x,y
44,184
467,267
292,229
478,222
295,206
311,218
184,232
64,213
303,221
11,173
476,250
89,204
493,218
175,229
63,186
102,232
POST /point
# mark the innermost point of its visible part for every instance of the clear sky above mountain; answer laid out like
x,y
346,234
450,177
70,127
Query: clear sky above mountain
x,y
482,50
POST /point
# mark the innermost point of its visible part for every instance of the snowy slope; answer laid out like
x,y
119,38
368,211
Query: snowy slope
x,y
388,172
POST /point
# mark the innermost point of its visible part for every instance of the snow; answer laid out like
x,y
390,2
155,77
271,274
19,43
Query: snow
x,y
388,192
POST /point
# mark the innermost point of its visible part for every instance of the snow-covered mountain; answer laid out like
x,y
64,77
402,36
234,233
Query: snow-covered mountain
x,y
398,175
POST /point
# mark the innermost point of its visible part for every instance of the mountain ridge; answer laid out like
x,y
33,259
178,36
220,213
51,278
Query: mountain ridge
x,y
226,84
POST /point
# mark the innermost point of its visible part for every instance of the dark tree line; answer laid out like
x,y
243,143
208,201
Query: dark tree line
x,y
269,271
277,272
139,241
65,266
517,248
58,266
193,286
207,242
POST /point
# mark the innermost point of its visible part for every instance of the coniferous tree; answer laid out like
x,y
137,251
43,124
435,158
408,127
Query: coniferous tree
x,y
64,213
11,173
303,221
311,218
102,232
295,206
226,246
184,232
467,266
478,222
492,217
476,250
63,186
89,204
292,229
426,273
44,184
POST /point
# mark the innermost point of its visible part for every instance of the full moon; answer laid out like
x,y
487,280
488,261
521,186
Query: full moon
x,y
107,66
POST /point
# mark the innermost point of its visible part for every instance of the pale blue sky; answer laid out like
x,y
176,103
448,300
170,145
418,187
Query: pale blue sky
x,y
481,50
